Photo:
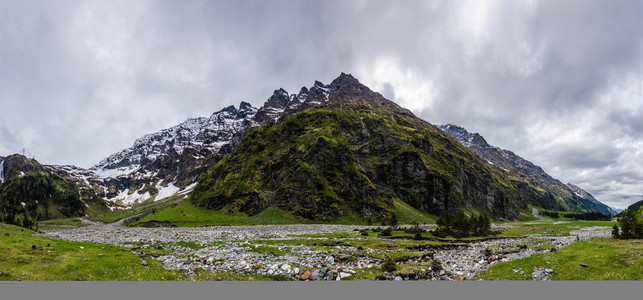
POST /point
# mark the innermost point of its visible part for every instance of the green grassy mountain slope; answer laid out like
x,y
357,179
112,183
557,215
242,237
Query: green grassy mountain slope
x,y
37,192
356,154
635,206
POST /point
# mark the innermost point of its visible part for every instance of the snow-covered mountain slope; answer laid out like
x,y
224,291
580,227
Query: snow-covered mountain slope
x,y
167,162
561,196
1,169
204,135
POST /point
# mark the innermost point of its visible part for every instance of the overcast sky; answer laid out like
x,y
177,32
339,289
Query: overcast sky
x,y
557,82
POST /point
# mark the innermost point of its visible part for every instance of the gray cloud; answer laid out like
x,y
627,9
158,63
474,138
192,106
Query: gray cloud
x,y
557,82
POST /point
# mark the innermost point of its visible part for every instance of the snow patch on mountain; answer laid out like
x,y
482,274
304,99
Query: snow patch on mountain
x,y
165,192
2,171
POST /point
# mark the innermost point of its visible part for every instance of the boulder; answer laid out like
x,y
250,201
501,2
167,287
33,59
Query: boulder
x,y
306,276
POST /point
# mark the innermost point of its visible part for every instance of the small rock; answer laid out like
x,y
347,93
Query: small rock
x,y
584,265
344,257
315,274
143,262
256,266
398,278
286,267
306,275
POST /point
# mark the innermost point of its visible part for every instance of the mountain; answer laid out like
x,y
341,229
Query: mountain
x,y
342,150
327,152
557,196
164,163
635,206
30,189
158,165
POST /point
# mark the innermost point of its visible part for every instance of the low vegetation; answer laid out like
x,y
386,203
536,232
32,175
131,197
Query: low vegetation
x,y
27,257
186,214
596,259
631,225
590,216
463,226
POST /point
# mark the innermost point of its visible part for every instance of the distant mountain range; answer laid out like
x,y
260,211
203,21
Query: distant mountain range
x,y
381,153
558,196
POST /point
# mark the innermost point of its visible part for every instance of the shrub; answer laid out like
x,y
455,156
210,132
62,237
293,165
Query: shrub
x,y
615,231
462,225
631,224
387,231
392,220
389,265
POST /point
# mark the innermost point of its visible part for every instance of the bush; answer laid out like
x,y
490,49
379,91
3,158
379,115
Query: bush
x,y
615,231
386,232
631,225
392,220
389,265
463,226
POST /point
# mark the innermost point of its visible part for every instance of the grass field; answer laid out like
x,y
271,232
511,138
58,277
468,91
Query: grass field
x,y
188,215
605,258
185,214
146,208
27,257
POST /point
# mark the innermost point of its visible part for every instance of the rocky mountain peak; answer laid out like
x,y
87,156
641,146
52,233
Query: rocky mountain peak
x,y
278,100
230,109
345,80
245,106
465,137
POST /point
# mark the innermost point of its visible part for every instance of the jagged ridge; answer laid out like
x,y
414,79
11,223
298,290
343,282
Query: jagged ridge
x,y
560,196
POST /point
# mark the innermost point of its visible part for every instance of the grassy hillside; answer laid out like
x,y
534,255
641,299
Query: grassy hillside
x,y
40,195
605,258
27,257
185,214
34,192
354,158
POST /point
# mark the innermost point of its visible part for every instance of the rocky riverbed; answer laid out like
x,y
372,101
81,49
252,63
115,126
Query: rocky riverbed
x,y
242,250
